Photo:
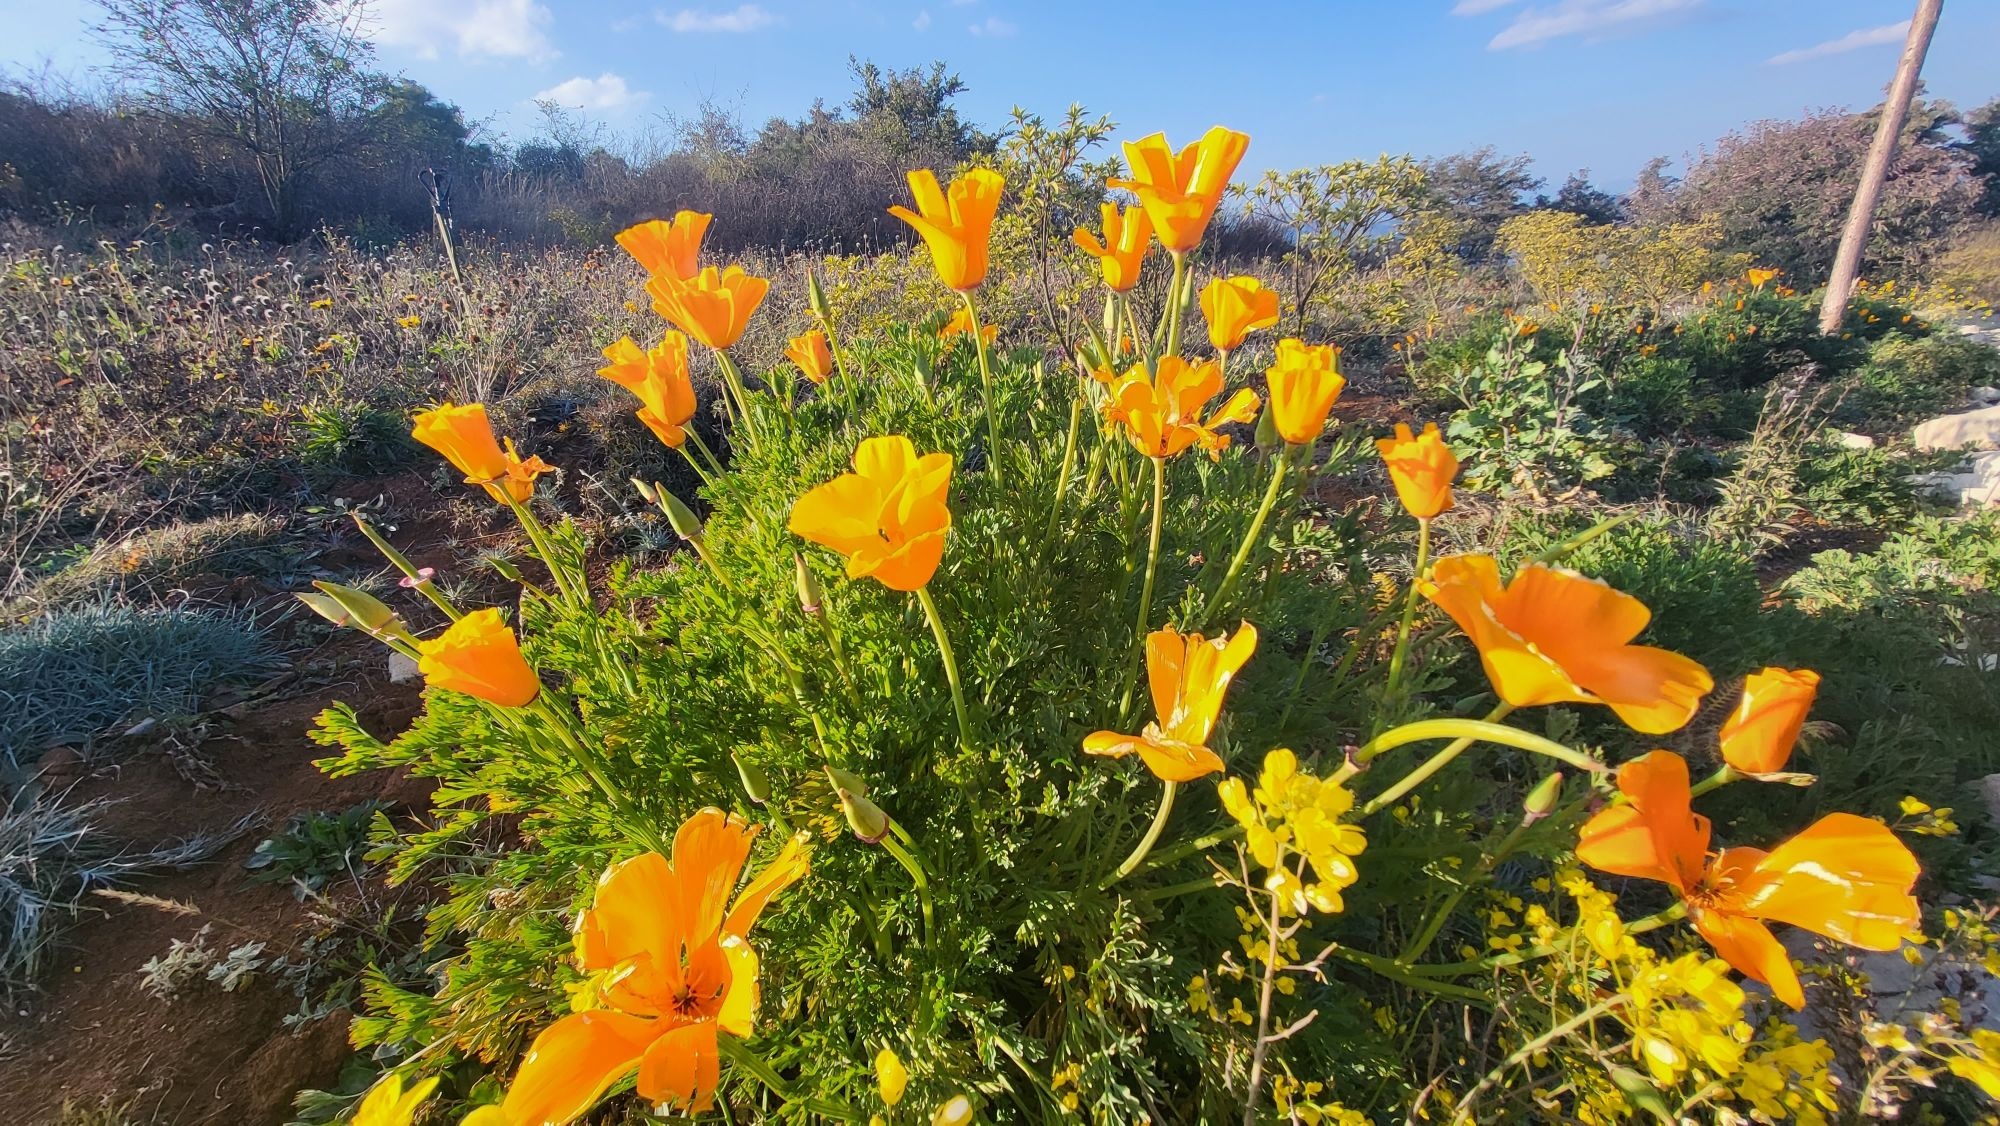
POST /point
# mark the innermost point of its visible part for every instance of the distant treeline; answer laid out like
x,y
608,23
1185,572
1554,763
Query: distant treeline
x,y
265,118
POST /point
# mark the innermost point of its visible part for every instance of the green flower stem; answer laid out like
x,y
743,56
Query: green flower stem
x,y
919,878
714,464
1568,547
824,620
696,465
950,666
1402,651
1146,590
1715,781
839,364
637,824
1402,976
739,1053
1205,883
1151,838
1250,536
1142,343
1068,464
732,377
1530,1049
538,536
1469,732
1186,849
986,385
1438,918
410,570
1176,301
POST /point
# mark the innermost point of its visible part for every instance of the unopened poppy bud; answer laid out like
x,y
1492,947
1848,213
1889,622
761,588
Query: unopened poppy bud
x,y
1267,431
326,608
816,297
1541,800
755,782
645,490
365,610
842,780
686,525
811,598
866,818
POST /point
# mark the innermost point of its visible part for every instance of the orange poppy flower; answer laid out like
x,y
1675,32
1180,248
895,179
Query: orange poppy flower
x,y
713,306
811,353
1305,381
667,249
1845,877
1758,279
1760,733
888,517
479,657
1162,415
1421,467
1553,636
659,376
672,963
1188,673
956,224
1127,237
464,435
1181,191
1233,307
960,324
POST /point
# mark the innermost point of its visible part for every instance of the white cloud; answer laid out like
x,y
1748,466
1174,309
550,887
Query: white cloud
x,y
746,17
923,20
499,28
1478,7
1581,18
1852,41
993,27
605,93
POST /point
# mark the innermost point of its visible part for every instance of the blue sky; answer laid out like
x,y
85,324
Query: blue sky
x,y
1598,84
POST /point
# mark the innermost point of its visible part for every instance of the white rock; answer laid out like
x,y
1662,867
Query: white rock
x,y
1986,396
402,670
1897,989
1989,789
1853,441
1977,428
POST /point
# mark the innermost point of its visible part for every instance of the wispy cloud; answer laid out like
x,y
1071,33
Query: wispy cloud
x,y
1567,19
923,20
494,28
1852,41
993,27
605,93
746,17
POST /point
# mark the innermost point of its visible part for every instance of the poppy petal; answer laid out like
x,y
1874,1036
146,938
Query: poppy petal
x,y
682,1068
574,1061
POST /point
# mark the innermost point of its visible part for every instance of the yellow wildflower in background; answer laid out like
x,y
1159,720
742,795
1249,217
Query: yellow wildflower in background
x,y
388,1104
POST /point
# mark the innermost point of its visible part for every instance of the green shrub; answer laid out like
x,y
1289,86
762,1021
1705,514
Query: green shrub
x,y
1908,378
1864,487
314,848
74,675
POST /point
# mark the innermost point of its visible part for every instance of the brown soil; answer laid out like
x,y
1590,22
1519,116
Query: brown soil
x,y
92,1035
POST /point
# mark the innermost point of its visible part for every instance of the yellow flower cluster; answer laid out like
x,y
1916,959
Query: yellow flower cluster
x,y
1294,813
1686,1019
1299,1102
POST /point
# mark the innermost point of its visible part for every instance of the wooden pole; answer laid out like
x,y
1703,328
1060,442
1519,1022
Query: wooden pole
x,y
1860,217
